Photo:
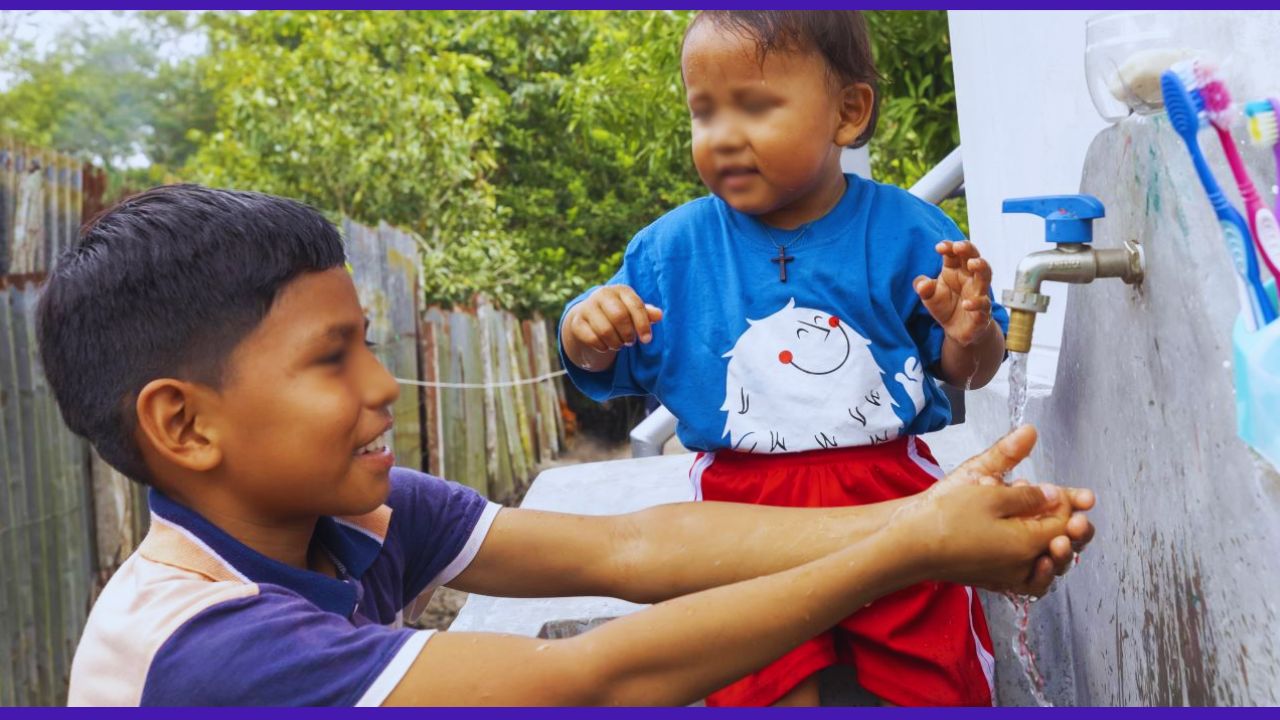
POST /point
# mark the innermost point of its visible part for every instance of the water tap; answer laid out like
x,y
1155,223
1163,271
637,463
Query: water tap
x,y
1068,223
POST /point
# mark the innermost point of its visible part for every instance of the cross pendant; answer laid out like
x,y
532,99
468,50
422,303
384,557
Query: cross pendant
x,y
782,260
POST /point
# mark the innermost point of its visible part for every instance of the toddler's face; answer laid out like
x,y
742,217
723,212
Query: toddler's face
x,y
303,400
764,134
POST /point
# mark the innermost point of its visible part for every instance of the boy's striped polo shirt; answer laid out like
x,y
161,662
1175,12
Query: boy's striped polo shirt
x,y
194,617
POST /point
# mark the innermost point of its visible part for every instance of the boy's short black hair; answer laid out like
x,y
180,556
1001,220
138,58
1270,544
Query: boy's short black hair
x,y
166,284
840,36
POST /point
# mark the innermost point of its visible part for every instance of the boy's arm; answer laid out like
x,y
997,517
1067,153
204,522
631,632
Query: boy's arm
x,y
538,554
657,553
681,650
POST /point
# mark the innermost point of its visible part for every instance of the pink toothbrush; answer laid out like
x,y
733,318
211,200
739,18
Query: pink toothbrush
x,y
1209,90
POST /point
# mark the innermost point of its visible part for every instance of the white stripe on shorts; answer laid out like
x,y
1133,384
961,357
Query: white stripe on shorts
x,y
985,658
695,473
913,452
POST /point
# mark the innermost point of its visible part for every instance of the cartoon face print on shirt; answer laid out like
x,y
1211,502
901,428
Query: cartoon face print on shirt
x,y
803,379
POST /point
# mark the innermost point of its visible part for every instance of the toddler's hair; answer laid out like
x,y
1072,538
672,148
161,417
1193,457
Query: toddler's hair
x,y
840,36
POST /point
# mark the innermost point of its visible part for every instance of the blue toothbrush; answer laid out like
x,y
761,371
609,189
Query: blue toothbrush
x,y
1185,119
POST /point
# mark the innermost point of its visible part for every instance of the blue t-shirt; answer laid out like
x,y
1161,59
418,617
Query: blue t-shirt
x,y
837,356
195,617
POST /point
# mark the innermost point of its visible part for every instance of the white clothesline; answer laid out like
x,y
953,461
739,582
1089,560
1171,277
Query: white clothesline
x,y
482,386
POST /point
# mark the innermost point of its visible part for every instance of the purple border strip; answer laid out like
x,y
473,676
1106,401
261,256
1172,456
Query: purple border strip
x,y
593,713
627,5
635,713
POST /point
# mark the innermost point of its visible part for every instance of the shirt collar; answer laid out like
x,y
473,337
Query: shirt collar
x,y
353,541
821,231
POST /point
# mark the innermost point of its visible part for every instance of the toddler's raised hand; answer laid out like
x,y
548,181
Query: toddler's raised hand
x,y
609,319
958,298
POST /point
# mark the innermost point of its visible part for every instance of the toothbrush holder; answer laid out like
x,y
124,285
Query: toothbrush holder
x,y
1257,375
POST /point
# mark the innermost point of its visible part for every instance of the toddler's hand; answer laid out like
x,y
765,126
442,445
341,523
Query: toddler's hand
x,y
958,298
611,318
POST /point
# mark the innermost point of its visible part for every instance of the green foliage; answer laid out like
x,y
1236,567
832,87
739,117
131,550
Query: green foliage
x,y
917,126
89,94
369,114
596,142
525,148
498,137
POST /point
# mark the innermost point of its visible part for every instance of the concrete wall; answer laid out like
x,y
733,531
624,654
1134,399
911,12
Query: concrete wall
x,y
1176,600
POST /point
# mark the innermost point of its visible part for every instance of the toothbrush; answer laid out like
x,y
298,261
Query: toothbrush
x,y
1264,131
1215,97
1185,118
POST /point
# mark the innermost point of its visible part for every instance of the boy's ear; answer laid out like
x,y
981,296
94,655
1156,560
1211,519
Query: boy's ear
x,y
856,101
173,420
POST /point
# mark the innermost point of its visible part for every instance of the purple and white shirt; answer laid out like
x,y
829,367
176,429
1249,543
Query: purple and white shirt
x,y
194,617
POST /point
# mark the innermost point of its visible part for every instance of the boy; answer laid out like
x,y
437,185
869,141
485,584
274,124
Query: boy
x,y
809,312
210,344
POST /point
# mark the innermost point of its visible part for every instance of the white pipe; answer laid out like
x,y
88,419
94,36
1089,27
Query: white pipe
x,y
652,433
942,180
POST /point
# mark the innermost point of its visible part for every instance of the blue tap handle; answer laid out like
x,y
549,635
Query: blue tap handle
x,y
1067,218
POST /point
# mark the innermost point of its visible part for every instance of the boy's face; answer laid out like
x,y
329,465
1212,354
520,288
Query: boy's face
x,y
764,134
302,401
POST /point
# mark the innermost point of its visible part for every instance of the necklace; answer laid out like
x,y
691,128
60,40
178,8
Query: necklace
x,y
783,258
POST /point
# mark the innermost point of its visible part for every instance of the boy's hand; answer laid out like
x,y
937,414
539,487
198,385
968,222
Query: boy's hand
x,y
990,468
611,318
958,298
986,536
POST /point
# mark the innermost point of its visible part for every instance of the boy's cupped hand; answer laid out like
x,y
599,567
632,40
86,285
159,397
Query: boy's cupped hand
x,y
959,298
611,318
986,528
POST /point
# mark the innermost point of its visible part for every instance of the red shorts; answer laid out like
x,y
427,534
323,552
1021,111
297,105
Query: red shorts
x,y
924,645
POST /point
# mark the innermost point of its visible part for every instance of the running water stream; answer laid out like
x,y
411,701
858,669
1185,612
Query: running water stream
x,y
1022,603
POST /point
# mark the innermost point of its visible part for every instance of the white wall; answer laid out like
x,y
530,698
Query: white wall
x,y
1025,123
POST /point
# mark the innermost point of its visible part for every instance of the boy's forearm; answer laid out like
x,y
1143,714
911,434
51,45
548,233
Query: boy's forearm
x,y
973,366
722,543
682,649
630,556
671,654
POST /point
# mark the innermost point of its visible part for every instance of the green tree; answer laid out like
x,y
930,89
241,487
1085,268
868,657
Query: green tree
x,y
596,141
498,137
918,125
109,94
369,114
525,148
89,94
